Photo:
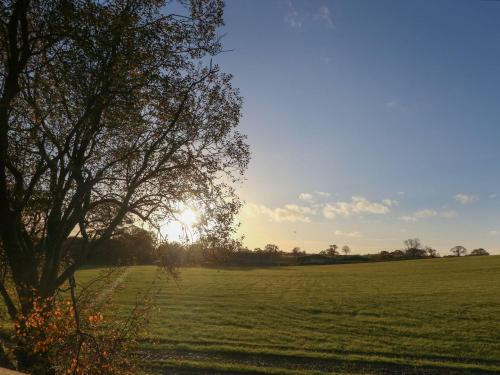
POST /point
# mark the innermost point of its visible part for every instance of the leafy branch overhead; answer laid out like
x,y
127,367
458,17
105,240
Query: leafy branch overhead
x,y
109,112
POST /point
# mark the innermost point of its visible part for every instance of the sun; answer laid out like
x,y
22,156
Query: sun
x,y
188,217
182,228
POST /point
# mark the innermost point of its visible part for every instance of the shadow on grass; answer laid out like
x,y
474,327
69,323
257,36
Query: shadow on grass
x,y
436,358
262,363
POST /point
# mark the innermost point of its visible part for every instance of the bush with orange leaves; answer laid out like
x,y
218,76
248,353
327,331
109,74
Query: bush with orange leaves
x,y
67,334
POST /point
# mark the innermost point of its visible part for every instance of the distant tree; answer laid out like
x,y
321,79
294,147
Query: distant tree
x,y
130,245
139,244
479,252
415,253
271,249
296,251
332,250
385,254
413,243
220,255
414,248
346,250
398,253
172,253
431,252
458,250
195,254
270,254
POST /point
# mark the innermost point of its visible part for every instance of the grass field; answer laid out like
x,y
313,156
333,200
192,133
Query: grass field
x,y
436,316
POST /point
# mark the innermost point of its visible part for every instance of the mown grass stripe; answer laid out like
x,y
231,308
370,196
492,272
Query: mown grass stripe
x,y
440,314
231,368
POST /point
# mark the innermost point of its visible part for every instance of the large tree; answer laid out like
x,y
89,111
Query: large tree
x,y
413,243
110,111
458,250
479,252
332,250
346,250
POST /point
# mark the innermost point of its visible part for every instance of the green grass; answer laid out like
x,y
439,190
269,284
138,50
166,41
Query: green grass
x,y
424,316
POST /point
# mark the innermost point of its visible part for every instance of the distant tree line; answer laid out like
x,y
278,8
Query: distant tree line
x,y
415,250
133,245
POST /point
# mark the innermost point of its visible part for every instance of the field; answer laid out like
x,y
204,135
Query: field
x,y
409,317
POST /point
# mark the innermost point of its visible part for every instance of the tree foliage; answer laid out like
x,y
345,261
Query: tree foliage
x,y
271,248
110,112
296,251
413,243
458,251
479,252
332,250
346,250
431,252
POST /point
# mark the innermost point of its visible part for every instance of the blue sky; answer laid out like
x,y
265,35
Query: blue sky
x,y
389,109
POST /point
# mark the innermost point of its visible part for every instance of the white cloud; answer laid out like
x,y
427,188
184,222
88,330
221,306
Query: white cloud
x,y
356,206
492,196
289,212
311,197
408,218
323,194
251,209
329,211
426,214
390,202
324,15
423,214
361,204
348,234
306,197
465,198
493,233
292,18
401,193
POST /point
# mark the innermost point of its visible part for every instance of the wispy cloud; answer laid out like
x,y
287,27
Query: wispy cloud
x,y
312,197
357,205
348,234
465,198
492,196
323,194
390,202
289,212
396,105
427,214
424,214
324,15
306,197
408,218
292,17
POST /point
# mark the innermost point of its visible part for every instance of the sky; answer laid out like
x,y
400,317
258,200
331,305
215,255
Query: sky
x,y
369,122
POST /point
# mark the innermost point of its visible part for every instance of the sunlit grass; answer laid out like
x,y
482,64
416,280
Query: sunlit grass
x,y
440,313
